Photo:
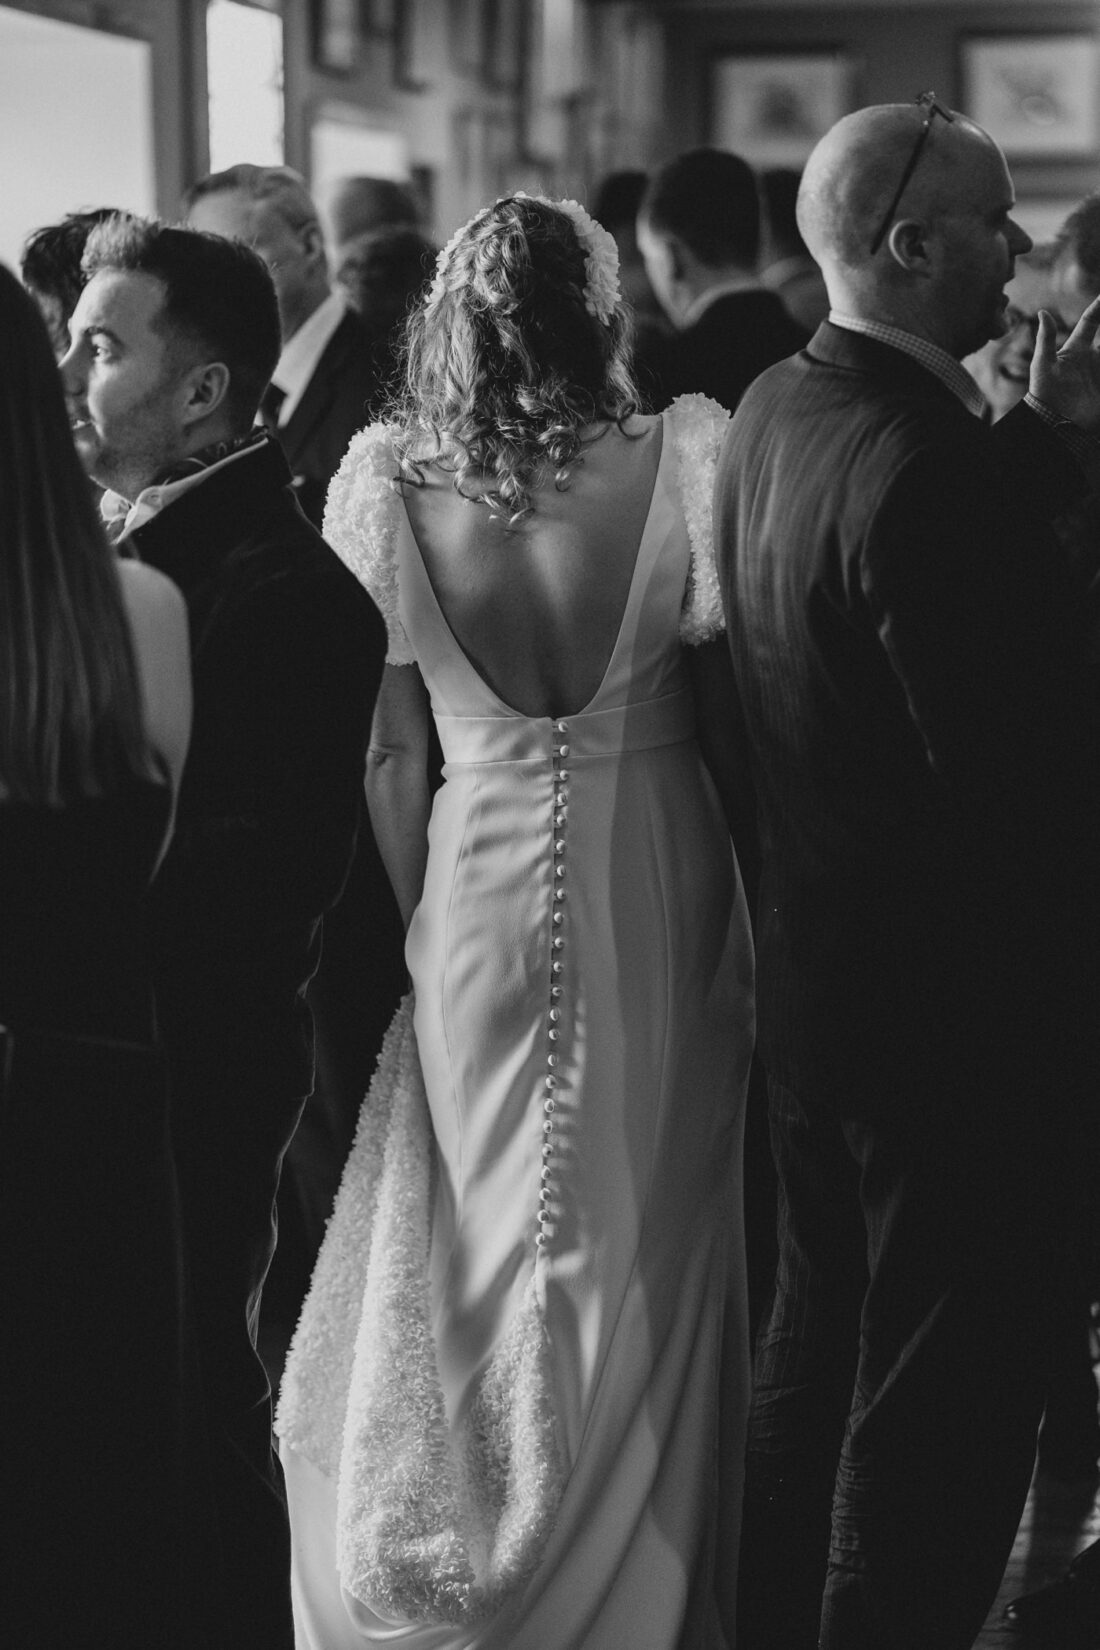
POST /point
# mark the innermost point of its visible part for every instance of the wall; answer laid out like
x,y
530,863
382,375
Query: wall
x,y
543,95
896,51
166,25
479,96
482,96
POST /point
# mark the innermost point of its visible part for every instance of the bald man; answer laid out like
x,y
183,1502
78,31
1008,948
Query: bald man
x,y
907,640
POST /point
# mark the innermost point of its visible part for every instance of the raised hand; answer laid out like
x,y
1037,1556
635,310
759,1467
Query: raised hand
x,y
1067,380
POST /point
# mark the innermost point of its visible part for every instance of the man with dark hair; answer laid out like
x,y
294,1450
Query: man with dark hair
x,y
618,198
174,337
699,233
327,383
230,317
51,269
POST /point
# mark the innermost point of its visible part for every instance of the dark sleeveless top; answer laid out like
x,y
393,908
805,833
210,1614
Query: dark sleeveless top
x,y
73,885
93,1475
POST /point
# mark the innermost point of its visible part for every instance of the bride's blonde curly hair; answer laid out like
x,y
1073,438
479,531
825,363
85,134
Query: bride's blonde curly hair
x,y
505,367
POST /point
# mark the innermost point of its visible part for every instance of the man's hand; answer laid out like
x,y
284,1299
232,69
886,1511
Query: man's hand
x,y
1067,380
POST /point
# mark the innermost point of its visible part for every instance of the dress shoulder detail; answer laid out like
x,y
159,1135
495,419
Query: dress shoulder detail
x,y
434,1522
697,426
362,514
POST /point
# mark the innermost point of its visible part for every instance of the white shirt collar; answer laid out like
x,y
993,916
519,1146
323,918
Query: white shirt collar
x,y
301,353
721,289
120,517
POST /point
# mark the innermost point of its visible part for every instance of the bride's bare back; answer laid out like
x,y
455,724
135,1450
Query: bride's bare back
x,y
537,609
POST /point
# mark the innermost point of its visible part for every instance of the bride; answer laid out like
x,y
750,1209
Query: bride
x,y
499,1419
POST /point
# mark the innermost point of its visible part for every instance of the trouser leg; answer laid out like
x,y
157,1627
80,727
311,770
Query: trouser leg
x,y
954,1343
229,1148
805,1364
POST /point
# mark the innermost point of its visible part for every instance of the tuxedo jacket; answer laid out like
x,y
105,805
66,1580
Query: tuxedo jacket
x,y
286,660
731,344
358,984
907,639
342,395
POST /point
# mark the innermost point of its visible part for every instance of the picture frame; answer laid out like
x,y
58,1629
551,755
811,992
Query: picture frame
x,y
505,34
336,36
379,17
1037,94
772,107
469,35
415,65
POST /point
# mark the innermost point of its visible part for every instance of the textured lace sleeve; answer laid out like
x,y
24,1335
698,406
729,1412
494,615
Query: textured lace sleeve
x,y
361,517
698,426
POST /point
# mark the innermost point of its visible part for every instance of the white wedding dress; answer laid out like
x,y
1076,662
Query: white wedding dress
x,y
499,1418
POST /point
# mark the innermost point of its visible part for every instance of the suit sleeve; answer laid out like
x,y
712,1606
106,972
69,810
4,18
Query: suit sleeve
x,y
978,612
272,809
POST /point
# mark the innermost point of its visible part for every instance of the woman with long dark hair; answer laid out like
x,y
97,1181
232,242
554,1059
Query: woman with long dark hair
x,y
94,721
500,1413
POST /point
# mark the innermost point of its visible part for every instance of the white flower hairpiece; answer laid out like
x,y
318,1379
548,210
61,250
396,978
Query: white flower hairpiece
x,y
601,257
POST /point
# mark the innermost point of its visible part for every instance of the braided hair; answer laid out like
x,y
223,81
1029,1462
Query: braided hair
x,y
505,366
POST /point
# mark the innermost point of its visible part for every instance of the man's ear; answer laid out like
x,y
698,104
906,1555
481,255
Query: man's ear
x,y
313,242
908,243
205,390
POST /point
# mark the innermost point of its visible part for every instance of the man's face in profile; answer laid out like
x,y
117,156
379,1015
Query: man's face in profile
x,y
124,382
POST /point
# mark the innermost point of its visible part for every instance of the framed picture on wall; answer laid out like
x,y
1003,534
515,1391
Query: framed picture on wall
x,y
335,25
1037,94
379,16
771,108
504,58
416,39
469,35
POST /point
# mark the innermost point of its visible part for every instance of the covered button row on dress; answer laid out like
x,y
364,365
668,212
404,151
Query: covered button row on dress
x,y
557,972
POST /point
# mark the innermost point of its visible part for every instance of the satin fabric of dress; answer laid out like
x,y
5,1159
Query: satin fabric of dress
x,y
640,995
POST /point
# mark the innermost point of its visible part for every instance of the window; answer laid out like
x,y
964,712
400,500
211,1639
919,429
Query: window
x,y
64,144
244,70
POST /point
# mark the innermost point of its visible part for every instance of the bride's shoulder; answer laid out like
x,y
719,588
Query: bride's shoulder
x,y
362,501
363,484
362,513
697,425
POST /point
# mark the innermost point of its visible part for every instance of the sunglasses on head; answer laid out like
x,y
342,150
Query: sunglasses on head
x,y
927,102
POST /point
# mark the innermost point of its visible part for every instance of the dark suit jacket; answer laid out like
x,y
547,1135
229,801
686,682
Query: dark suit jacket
x,y
286,651
285,647
342,395
907,643
731,344
362,972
